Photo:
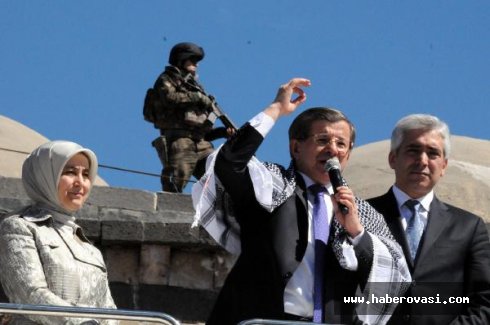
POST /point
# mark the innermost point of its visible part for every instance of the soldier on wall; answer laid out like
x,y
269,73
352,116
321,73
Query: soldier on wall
x,y
184,113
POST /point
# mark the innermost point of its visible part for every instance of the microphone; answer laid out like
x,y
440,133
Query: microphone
x,y
332,166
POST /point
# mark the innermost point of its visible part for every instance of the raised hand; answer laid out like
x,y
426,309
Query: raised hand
x,y
284,103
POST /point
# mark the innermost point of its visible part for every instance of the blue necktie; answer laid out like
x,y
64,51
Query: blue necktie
x,y
415,227
321,230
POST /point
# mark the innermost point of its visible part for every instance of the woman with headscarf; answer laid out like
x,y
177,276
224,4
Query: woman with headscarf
x,y
45,259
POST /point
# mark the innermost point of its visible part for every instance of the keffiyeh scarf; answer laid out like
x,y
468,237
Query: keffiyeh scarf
x,y
273,185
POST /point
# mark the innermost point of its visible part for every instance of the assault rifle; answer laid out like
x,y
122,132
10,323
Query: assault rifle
x,y
222,115
217,111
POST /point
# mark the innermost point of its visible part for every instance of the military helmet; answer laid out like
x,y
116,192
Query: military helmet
x,y
184,51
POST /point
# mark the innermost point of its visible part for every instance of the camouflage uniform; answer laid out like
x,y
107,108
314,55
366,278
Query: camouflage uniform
x,y
185,130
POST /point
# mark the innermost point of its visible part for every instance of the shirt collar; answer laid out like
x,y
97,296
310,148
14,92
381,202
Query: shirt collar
x,y
402,197
38,214
309,182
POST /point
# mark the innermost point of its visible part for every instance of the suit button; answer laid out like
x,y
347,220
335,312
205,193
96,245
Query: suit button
x,y
406,318
287,275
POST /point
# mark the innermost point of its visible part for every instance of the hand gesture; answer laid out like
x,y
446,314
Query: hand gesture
x,y
284,103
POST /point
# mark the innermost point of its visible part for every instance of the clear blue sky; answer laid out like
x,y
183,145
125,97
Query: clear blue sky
x,y
78,70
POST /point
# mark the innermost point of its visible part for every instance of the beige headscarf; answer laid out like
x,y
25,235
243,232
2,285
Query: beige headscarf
x,y
42,169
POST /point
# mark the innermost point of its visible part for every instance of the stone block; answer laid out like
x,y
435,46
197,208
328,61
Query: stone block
x,y
122,198
223,262
192,270
120,226
122,263
174,202
154,264
88,218
173,228
9,204
208,241
12,188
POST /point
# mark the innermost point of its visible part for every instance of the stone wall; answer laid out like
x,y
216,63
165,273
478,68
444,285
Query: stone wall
x,y
155,260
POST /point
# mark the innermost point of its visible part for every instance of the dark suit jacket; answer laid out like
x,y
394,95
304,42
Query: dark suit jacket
x,y
453,260
273,244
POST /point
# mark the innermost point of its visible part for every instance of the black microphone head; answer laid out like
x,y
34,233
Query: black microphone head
x,y
332,163
332,167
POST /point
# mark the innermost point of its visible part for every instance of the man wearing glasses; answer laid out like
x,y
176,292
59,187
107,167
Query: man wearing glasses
x,y
299,256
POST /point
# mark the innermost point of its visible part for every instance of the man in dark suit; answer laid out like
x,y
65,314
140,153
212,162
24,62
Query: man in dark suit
x,y
277,272
452,257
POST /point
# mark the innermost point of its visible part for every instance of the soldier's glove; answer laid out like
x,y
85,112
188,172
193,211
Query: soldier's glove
x,y
202,100
216,133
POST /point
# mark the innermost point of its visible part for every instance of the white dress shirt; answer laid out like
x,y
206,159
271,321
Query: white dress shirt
x,y
405,213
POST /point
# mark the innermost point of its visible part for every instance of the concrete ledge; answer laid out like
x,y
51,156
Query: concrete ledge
x,y
119,225
9,204
89,219
172,228
122,198
11,188
174,202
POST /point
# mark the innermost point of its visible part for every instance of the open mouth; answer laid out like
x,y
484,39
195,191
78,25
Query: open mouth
x,y
323,160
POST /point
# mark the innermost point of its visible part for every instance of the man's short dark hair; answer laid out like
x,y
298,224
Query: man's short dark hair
x,y
301,126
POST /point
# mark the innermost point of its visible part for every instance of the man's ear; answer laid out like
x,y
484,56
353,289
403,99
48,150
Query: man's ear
x,y
444,167
294,148
391,159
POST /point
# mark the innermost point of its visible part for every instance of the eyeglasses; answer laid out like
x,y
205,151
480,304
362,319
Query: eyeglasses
x,y
325,139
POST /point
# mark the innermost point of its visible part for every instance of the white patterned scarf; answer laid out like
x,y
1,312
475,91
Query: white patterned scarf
x,y
273,185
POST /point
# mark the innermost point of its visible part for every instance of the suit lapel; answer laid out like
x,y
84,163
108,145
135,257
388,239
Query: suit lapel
x,y
302,218
79,252
394,221
435,226
302,194
290,221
